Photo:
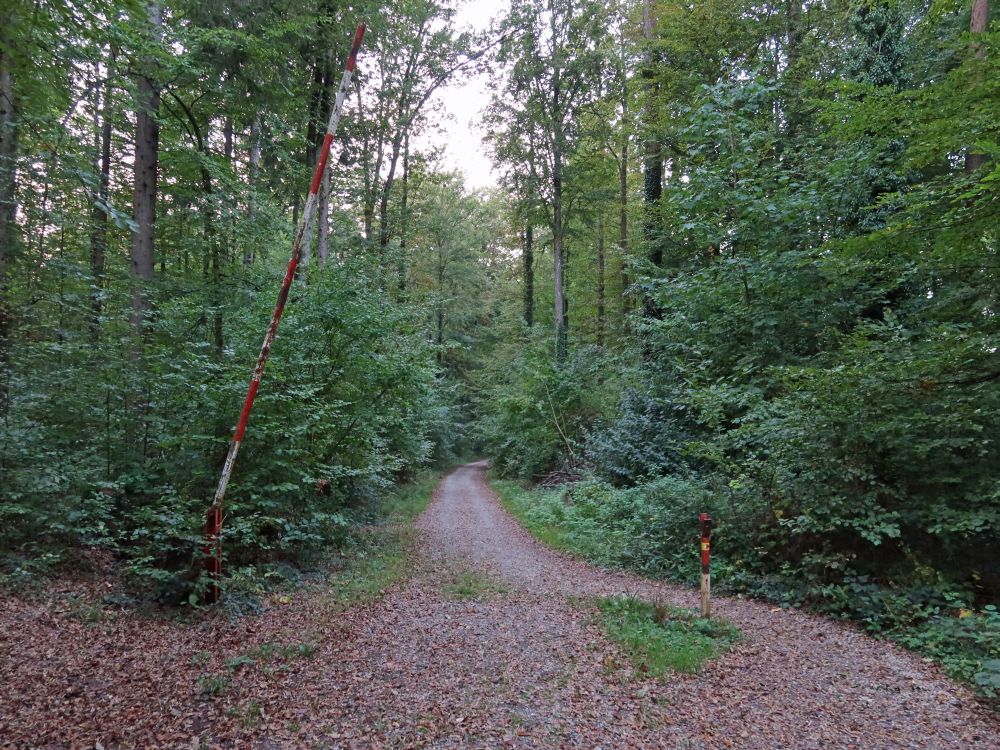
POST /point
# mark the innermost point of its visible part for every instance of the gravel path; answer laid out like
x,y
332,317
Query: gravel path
x,y
796,680
520,665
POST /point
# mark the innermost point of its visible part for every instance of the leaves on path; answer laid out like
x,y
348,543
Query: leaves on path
x,y
520,668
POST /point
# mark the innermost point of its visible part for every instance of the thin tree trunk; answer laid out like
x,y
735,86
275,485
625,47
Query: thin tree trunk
x,y
623,204
600,282
312,145
383,205
99,210
977,25
254,175
529,276
653,152
147,138
323,218
562,343
793,114
557,270
215,249
439,313
227,153
9,239
368,203
404,215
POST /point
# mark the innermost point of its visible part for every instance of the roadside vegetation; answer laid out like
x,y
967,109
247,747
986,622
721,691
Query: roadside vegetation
x,y
655,534
659,638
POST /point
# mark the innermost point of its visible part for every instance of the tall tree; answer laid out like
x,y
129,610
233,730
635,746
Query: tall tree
x,y
551,51
652,164
100,207
9,127
978,22
145,165
414,51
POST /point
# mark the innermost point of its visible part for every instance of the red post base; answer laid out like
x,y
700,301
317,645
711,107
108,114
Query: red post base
x,y
213,552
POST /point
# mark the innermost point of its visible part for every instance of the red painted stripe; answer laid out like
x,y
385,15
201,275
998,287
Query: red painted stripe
x,y
241,426
352,60
213,528
324,154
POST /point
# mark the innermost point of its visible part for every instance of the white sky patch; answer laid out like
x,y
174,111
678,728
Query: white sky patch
x,y
461,136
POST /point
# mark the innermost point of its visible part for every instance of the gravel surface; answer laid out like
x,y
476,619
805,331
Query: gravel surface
x,y
520,665
795,681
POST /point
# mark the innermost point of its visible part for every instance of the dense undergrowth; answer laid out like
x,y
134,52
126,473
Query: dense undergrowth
x,y
369,556
653,530
126,459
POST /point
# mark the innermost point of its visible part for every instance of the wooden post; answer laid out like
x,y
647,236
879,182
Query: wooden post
x,y
706,574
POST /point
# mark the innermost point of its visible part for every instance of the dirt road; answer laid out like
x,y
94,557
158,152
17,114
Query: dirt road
x,y
488,645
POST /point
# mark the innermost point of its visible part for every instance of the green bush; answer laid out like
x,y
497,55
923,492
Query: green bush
x,y
102,450
539,410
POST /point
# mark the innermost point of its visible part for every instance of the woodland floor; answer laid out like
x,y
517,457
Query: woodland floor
x,y
490,643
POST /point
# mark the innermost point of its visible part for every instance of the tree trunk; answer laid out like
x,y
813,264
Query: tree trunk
x,y
529,276
312,147
977,25
211,239
623,204
652,169
557,270
439,313
383,205
793,105
323,218
8,227
227,153
404,216
368,202
600,282
558,125
147,141
254,175
99,209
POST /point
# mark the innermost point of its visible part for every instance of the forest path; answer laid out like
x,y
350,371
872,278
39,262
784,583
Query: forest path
x,y
485,646
795,680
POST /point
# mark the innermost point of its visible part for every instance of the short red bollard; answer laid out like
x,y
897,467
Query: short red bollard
x,y
706,573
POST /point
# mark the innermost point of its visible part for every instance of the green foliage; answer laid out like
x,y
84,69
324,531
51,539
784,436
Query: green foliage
x,y
965,644
537,413
378,557
345,408
267,653
648,528
213,685
646,438
659,638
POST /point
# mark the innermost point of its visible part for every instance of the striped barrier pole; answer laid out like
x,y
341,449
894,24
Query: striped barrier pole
x,y
213,524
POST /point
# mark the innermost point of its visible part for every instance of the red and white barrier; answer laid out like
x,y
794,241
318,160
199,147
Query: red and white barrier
x,y
213,524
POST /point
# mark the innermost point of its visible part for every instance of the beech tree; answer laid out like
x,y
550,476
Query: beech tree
x,y
145,168
552,68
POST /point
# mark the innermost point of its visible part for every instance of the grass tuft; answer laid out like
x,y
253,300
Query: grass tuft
x,y
378,557
659,638
471,584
